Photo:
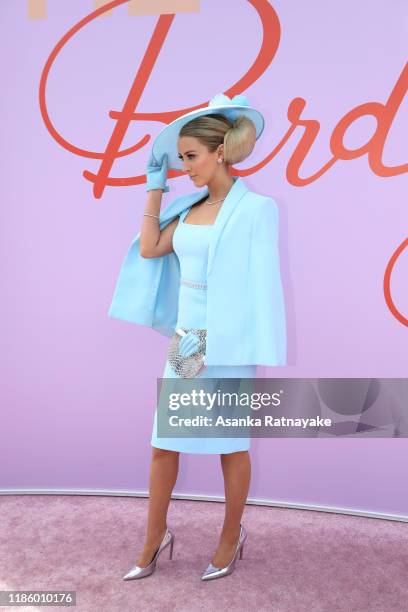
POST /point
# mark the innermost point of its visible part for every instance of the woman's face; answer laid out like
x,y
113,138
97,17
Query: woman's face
x,y
198,162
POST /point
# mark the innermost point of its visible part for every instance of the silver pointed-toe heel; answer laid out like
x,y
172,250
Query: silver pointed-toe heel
x,y
136,572
218,572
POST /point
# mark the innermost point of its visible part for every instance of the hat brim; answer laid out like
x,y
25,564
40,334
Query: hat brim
x,y
166,140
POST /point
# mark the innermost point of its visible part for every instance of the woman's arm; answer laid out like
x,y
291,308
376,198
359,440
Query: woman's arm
x,y
153,242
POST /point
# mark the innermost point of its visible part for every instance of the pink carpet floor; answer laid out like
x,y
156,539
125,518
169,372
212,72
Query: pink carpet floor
x,y
294,560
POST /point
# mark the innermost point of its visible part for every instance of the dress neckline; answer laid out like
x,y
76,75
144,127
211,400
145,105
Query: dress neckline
x,y
199,224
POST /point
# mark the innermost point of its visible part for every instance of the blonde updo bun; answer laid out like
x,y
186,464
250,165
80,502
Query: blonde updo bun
x,y
238,137
240,140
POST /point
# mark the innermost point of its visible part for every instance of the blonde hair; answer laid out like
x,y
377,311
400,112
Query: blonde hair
x,y
238,137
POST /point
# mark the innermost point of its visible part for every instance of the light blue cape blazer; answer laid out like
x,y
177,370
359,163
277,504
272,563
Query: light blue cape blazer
x,y
245,305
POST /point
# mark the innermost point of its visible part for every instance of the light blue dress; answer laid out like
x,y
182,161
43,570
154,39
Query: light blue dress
x,y
190,243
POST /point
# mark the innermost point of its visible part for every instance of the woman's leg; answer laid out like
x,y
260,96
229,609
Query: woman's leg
x,y
236,469
163,476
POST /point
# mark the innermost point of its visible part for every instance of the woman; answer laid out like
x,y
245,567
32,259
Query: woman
x,y
205,143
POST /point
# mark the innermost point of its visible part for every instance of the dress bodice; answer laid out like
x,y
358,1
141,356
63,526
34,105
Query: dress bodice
x,y
190,243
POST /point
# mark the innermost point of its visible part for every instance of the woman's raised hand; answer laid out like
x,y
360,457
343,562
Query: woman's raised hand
x,y
156,173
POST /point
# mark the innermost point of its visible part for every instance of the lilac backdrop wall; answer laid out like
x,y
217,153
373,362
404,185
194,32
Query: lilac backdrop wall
x,y
78,389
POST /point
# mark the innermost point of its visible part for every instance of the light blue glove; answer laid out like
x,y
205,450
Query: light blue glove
x,y
157,173
189,344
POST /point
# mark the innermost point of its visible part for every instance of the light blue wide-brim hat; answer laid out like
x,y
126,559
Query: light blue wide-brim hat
x,y
232,108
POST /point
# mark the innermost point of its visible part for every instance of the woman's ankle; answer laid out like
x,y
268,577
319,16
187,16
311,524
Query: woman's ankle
x,y
155,534
230,534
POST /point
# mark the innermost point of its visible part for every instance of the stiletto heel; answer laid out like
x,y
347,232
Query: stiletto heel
x,y
136,571
218,572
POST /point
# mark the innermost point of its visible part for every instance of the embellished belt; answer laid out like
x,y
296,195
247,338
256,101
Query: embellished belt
x,y
194,284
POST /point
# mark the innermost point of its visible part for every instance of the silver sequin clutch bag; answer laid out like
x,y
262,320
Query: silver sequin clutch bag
x,y
187,367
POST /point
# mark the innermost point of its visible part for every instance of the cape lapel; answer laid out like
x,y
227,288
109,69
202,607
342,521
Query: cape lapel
x,y
236,192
